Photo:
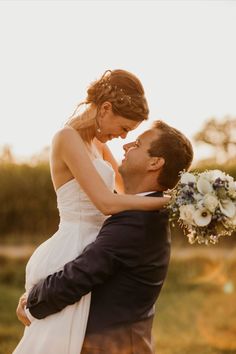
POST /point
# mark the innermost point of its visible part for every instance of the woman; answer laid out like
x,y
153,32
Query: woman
x,y
83,173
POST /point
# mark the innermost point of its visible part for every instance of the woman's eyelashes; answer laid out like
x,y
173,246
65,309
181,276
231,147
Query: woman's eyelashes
x,y
125,130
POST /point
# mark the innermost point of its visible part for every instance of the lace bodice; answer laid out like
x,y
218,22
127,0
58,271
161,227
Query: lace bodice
x,y
75,206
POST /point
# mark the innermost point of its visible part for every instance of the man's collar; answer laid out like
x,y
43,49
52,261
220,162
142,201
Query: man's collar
x,y
145,193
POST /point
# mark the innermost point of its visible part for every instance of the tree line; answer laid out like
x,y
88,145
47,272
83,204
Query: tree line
x,y
28,201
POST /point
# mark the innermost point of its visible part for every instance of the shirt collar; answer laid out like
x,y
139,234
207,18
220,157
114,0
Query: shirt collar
x,y
145,193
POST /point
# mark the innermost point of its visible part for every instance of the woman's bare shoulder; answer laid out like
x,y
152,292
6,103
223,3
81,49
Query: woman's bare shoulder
x,y
64,134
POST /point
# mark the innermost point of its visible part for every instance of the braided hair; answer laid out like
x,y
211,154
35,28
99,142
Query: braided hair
x,y
124,91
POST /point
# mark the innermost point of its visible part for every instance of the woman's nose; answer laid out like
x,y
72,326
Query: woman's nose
x,y
124,135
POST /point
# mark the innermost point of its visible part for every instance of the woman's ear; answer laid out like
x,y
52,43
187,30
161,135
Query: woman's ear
x,y
156,163
106,107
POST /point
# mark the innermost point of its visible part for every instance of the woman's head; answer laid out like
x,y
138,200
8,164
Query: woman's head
x,y
117,104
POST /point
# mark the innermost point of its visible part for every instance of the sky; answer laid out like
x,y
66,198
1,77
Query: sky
x,y
184,52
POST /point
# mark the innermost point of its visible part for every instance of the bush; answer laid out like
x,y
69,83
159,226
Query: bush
x,y
27,199
29,208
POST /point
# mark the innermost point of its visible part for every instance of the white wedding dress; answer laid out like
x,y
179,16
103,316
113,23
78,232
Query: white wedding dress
x,y
80,222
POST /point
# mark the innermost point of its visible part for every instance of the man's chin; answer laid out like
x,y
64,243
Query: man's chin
x,y
121,168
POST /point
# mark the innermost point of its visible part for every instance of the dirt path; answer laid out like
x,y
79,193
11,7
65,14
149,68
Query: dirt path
x,y
206,252
17,251
177,253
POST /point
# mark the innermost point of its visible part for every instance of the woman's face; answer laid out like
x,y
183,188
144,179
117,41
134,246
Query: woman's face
x,y
113,126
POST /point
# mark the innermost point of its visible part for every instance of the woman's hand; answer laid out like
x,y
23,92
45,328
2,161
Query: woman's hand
x,y
20,311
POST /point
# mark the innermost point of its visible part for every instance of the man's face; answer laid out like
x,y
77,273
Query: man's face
x,y
136,158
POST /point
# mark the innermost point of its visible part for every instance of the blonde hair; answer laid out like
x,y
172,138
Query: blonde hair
x,y
119,87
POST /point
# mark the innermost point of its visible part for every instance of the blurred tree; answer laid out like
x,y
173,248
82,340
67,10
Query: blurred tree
x,y
221,135
41,157
6,155
27,201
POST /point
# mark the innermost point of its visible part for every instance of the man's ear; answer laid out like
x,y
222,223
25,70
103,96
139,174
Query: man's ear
x,y
156,163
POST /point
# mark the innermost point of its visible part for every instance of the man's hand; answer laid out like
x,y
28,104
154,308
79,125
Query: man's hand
x,y
20,311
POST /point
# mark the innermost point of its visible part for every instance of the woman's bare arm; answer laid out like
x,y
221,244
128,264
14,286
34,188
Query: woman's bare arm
x,y
74,154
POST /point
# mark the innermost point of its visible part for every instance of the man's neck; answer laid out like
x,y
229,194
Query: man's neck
x,y
137,191
131,188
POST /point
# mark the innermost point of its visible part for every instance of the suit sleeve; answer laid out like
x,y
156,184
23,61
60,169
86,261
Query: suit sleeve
x,y
117,245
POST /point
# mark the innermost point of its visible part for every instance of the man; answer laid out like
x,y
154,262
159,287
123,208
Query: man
x,y
127,264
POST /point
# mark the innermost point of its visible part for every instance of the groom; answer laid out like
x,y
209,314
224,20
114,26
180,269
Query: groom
x,y
127,264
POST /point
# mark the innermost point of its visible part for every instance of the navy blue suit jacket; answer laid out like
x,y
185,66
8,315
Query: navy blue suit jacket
x,y
124,268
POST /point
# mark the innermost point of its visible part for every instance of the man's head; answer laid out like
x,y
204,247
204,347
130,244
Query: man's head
x,y
155,159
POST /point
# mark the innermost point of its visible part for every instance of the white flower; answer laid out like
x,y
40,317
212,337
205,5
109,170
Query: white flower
x,y
209,175
229,178
186,213
187,178
198,197
232,186
217,174
203,174
212,175
210,202
200,204
202,217
204,186
227,207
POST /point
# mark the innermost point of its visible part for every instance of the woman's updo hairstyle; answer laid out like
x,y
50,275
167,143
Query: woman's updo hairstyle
x,y
119,87
123,90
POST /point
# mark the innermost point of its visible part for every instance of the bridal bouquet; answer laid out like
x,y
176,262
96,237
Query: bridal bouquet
x,y
204,204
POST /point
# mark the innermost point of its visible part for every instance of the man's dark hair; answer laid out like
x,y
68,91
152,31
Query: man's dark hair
x,y
175,148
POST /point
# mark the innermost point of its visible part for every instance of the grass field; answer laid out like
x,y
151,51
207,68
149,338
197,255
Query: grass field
x,y
195,314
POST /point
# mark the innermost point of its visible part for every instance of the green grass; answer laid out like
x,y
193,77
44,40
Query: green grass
x,y
10,329
188,317
193,314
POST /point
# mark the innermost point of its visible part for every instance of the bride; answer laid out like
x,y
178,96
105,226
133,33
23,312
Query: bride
x,y
84,174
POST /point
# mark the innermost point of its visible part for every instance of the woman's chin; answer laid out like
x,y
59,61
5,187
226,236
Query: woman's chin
x,y
104,139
